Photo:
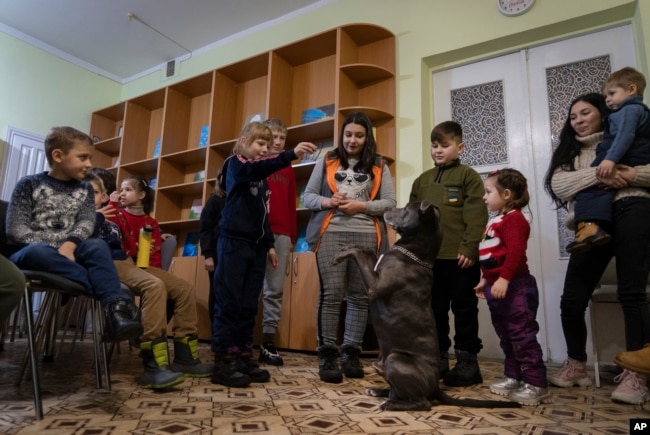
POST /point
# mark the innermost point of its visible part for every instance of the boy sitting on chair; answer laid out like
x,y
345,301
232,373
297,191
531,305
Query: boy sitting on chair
x,y
50,219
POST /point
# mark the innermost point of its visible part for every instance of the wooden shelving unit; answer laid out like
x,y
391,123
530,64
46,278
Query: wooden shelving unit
x,y
158,136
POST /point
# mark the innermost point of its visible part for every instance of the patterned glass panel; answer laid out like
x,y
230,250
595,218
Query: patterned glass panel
x,y
563,84
480,110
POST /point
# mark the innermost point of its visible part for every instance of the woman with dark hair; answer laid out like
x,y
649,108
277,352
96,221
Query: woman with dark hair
x,y
348,191
569,172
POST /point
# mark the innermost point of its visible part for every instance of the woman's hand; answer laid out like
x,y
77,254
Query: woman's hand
x,y
335,201
209,264
352,206
619,178
273,258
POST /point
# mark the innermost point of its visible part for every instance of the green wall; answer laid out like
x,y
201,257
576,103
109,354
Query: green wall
x,y
40,90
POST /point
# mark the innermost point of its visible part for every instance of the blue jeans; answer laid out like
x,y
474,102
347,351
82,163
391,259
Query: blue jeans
x,y
631,246
94,268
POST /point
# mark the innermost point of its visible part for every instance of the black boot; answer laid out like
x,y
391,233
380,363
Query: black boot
x,y
328,364
444,364
155,358
226,370
352,367
465,373
248,366
186,358
122,321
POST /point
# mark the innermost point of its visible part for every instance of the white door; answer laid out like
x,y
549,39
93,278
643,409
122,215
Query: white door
x,y
25,156
511,108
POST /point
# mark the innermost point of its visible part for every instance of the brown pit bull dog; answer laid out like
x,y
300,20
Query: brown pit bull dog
x,y
399,288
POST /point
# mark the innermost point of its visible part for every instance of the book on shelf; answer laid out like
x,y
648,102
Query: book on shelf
x,y
203,137
191,245
195,210
156,149
200,175
317,113
322,148
255,117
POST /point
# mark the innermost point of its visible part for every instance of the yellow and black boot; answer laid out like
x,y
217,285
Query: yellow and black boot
x,y
155,357
588,234
186,358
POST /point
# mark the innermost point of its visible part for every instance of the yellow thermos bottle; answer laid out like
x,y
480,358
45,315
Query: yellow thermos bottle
x,y
144,246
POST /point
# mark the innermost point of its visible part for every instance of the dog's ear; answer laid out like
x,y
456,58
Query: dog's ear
x,y
426,208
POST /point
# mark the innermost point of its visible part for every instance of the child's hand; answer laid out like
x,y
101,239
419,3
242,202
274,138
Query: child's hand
x,y
209,264
500,288
67,250
480,289
464,262
304,148
115,197
605,169
108,211
273,258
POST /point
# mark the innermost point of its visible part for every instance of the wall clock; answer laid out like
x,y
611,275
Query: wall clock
x,y
512,8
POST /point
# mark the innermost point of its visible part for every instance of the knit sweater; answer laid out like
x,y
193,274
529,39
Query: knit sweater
x,y
46,210
502,252
130,225
566,183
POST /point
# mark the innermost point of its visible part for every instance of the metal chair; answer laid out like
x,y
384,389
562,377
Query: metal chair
x,y
55,288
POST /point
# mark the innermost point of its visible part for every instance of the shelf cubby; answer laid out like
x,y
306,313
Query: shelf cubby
x,y
143,121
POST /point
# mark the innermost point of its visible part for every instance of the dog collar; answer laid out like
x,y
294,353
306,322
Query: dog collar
x,y
413,257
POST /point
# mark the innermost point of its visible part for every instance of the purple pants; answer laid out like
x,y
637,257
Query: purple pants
x,y
514,322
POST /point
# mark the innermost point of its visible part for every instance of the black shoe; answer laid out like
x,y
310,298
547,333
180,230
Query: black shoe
x,y
350,364
122,321
249,367
269,355
226,373
328,364
444,364
465,373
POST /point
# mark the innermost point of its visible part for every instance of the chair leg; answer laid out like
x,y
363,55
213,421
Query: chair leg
x,y
37,326
101,357
38,402
594,342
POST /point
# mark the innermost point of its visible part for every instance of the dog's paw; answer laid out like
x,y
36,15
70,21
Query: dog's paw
x,y
377,392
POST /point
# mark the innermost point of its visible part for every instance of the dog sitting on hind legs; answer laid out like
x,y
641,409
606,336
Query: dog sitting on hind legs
x,y
399,289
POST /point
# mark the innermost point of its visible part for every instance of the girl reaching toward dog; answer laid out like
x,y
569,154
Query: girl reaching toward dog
x,y
510,290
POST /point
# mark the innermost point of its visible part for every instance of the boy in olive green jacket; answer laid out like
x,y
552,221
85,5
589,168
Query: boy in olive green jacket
x,y
458,191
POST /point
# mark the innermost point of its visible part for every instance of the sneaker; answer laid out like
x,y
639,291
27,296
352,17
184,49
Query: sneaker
x,y
505,386
466,371
572,372
530,395
269,355
631,388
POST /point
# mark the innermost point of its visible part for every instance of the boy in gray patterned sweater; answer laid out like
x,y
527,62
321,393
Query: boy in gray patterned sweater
x,y
50,220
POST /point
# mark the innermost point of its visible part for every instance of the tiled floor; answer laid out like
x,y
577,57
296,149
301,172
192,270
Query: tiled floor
x,y
293,402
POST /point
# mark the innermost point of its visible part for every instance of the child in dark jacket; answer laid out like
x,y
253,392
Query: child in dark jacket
x,y
245,240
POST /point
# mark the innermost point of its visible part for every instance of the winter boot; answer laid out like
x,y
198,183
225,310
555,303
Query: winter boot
x,y
155,358
226,370
589,234
465,373
122,321
444,364
247,365
350,364
636,361
328,364
186,358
